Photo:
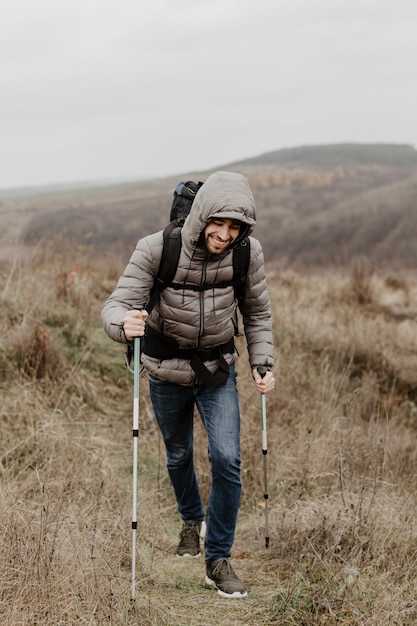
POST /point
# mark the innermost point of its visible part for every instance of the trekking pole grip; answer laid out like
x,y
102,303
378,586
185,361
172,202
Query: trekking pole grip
x,y
262,370
136,342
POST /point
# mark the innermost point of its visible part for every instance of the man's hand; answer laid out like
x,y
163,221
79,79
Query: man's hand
x,y
265,384
134,323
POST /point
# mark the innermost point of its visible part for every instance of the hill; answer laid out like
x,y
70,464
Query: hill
x,y
316,205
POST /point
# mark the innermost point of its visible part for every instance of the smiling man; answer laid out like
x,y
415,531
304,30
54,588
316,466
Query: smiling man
x,y
194,322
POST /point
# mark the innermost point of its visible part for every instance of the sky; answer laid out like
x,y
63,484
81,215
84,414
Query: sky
x,y
97,89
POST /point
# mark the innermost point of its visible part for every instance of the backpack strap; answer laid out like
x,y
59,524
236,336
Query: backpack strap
x,y
241,260
160,347
169,261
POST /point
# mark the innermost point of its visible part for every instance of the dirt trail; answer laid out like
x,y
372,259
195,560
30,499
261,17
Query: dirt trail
x,y
176,593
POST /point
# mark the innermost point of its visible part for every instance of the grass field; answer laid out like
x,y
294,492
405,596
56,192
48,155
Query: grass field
x,y
341,457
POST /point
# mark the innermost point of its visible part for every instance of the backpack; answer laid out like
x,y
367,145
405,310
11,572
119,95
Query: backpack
x,y
183,199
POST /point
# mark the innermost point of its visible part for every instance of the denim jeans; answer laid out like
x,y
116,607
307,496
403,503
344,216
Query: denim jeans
x,y
219,411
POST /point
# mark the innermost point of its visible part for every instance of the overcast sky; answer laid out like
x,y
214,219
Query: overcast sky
x,y
97,89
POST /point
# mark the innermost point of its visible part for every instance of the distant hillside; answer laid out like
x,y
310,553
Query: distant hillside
x,y
343,155
316,206
327,205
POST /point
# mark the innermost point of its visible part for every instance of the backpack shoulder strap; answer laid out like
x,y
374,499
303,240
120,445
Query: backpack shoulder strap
x,y
170,254
241,259
169,260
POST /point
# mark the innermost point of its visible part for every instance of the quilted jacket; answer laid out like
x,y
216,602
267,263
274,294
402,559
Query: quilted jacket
x,y
199,319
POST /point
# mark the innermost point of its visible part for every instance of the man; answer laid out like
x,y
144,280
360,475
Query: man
x,y
189,333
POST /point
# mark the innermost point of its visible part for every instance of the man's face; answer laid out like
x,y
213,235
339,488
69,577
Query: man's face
x,y
219,234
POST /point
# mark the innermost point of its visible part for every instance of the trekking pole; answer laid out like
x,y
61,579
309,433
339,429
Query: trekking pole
x,y
262,371
136,373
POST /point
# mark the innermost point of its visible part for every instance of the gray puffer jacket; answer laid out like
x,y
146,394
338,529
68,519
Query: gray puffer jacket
x,y
199,319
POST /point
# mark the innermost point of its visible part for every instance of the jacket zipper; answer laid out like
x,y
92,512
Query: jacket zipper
x,y
203,280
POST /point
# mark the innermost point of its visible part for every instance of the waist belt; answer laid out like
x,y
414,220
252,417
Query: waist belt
x,y
159,347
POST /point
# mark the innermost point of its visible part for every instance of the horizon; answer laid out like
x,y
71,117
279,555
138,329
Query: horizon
x,y
70,184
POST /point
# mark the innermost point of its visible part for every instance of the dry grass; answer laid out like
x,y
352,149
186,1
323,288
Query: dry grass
x,y
341,460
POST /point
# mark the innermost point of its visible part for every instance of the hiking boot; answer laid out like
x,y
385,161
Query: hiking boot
x,y
221,574
189,545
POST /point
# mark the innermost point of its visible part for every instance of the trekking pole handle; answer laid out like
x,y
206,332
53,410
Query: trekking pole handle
x,y
136,340
262,370
131,346
136,368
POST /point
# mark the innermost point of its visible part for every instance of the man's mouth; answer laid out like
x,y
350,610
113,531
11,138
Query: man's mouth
x,y
219,242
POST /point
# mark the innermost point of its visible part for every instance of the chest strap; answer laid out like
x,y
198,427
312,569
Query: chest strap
x,y
157,346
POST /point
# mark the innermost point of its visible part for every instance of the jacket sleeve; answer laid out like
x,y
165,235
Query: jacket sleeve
x,y
256,311
134,286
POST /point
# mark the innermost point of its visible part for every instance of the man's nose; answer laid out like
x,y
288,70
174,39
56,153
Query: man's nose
x,y
224,231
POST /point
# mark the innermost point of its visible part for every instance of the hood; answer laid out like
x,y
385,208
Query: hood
x,y
225,195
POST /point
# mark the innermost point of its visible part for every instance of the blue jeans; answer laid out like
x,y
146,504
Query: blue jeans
x,y
219,411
